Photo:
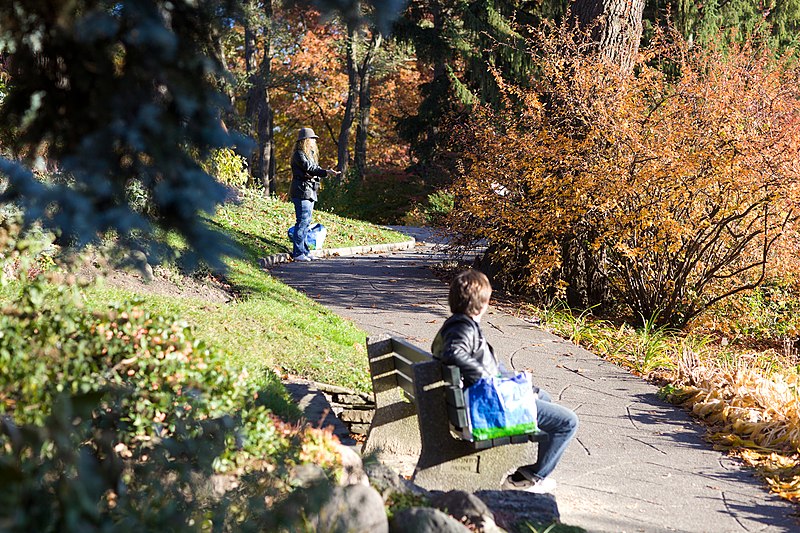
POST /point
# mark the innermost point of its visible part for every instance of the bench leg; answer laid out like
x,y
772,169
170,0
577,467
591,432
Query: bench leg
x,y
394,429
457,466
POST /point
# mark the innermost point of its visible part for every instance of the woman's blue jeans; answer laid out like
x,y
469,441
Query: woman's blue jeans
x,y
302,214
560,424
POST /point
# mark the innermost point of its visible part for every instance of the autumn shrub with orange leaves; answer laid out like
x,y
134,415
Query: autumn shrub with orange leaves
x,y
667,190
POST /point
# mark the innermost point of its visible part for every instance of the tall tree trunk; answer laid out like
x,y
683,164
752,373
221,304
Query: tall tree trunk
x,y
266,139
616,27
251,105
259,108
352,88
365,103
272,174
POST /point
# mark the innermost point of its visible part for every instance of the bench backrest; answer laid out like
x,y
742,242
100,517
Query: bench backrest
x,y
391,362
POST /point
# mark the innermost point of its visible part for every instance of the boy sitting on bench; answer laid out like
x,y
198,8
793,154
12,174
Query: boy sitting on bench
x,y
460,342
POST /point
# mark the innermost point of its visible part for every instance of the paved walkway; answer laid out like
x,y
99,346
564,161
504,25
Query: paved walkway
x,y
638,464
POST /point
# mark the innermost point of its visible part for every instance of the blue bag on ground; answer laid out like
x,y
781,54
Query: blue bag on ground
x,y
501,407
315,237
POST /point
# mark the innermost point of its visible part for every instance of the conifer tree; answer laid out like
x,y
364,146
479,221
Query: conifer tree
x,y
119,99
463,45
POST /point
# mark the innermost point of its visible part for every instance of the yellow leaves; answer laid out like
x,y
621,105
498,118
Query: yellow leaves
x,y
755,415
650,166
626,251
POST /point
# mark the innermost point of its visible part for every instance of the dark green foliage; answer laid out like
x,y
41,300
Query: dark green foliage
x,y
382,196
67,476
382,12
48,347
103,94
467,44
123,421
71,476
777,23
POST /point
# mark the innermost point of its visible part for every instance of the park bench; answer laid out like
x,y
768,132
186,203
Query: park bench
x,y
420,412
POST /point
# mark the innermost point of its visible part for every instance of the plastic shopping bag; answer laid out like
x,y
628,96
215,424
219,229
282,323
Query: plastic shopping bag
x,y
501,407
315,237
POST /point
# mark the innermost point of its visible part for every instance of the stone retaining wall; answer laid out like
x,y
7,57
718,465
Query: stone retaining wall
x,y
354,409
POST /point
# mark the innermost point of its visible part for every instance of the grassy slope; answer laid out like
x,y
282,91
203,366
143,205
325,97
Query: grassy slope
x,y
272,325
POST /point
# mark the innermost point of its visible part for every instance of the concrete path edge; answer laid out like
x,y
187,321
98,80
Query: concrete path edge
x,y
272,260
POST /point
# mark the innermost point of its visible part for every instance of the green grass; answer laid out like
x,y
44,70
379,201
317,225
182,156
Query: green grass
x,y
280,329
260,223
268,325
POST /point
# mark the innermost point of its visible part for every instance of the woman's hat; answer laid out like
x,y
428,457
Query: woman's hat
x,y
306,133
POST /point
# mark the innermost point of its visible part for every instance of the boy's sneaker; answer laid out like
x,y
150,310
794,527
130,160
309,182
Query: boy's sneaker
x,y
537,485
301,258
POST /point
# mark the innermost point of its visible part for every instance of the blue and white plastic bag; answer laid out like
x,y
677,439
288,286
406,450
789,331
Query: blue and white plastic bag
x,y
315,237
501,407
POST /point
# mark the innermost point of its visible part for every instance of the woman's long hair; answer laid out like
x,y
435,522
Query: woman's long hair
x,y
309,148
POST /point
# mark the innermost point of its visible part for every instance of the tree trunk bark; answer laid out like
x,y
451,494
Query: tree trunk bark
x,y
616,27
267,135
259,108
365,104
272,176
352,89
251,105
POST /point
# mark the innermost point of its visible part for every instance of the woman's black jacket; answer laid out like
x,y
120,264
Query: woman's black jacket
x,y
305,177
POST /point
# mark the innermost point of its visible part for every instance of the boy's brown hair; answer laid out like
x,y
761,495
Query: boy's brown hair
x,y
469,292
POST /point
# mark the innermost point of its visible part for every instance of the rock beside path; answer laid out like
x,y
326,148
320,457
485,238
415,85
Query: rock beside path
x,y
425,520
352,508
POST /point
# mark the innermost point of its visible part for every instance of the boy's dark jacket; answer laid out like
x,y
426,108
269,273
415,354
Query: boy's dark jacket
x,y
460,342
304,177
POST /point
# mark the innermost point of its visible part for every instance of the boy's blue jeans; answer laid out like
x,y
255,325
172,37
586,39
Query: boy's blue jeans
x,y
560,424
302,212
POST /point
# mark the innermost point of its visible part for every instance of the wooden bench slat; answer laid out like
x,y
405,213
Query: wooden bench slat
x,y
409,351
482,444
452,375
458,417
517,439
403,367
407,384
455,397
501,441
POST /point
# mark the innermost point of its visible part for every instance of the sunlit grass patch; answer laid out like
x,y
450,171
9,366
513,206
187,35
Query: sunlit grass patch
x,y
259,223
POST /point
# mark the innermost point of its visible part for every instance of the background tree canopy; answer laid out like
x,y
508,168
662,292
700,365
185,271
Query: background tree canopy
x,y
116,102
119,99
111,112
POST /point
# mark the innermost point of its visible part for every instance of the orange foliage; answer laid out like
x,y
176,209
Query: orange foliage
x,y
395,95
670,186
309,88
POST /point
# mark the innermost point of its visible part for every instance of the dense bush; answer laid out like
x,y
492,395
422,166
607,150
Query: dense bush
x,y
53,349
124,420
666,190
382,196
228,167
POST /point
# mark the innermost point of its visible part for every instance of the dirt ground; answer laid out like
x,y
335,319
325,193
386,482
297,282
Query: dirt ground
x,y
164,282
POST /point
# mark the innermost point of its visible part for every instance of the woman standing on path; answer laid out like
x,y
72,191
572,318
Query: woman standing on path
x,y
306,174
